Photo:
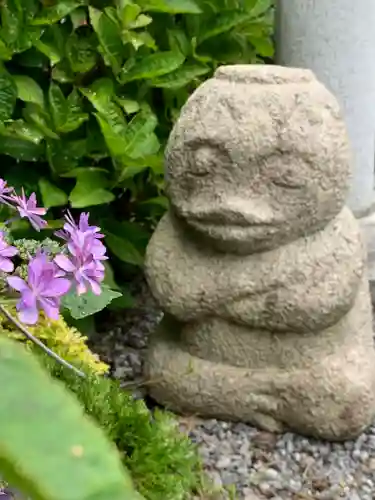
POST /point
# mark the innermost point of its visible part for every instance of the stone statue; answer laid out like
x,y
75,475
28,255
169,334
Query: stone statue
x,y
258,265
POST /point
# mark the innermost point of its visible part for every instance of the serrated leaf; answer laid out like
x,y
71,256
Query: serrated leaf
x,y
55,13
181,77
8,95
124,250
81,306
109,36
28,90
171,6
86,465
52,196
224,22
90,190
152,66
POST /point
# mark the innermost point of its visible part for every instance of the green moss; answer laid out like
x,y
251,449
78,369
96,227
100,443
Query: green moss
x,y
163,462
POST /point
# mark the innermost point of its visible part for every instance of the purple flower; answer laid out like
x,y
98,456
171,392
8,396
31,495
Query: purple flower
x,y
5,191
42,290
6,251
85,272
86,253
27,209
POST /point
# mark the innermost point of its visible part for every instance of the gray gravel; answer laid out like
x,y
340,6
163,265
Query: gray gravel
x,y
278,467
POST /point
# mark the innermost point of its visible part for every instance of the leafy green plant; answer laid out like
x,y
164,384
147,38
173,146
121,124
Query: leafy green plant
x,y
89,91
35,410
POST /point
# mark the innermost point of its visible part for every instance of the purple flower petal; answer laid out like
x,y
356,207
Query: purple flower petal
x,y
6,265
63,262
56,288
17,283
50,307
29,316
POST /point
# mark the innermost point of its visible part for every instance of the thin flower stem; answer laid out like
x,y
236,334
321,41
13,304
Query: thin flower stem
x,y
40,344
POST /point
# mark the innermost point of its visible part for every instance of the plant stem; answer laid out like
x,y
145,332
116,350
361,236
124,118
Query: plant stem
x,y
39,343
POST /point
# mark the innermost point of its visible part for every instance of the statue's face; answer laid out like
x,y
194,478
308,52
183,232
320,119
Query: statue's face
x,y
250,167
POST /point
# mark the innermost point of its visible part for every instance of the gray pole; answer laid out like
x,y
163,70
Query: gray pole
x,y
336,39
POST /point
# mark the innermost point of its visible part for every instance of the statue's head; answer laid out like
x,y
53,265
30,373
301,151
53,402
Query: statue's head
x,y
258,158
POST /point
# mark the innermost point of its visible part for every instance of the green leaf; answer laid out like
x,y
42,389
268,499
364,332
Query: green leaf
x,y
23,130
81,52
178,41
57,104
137,131
52,43
63,155
181,77
113,138
152,66
124,250
28,90
52,196
109,36
5,52
171,6
81,306
130,106
35,115
23,150
224,22
79,18
8,95
84,465
55,13
66,113
90,189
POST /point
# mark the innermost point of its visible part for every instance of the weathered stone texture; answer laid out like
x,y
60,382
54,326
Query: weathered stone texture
x,y
258,265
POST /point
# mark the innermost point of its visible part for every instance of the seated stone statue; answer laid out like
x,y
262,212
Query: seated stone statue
x,y
258,265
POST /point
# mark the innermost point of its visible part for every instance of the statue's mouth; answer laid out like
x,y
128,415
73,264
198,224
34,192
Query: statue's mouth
x,y
229,219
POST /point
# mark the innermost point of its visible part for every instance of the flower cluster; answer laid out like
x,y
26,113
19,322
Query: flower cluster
x,y
49,276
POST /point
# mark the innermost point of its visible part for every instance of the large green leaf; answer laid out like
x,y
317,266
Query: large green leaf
x,y
124,250
52,196
22,130
181,77
81,306
152,66
8,95
48,447
28,90
20,149
55,13
109,36
171,6
90,189
224,22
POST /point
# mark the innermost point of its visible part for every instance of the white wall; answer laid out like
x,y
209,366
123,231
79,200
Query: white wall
x,y
336,39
